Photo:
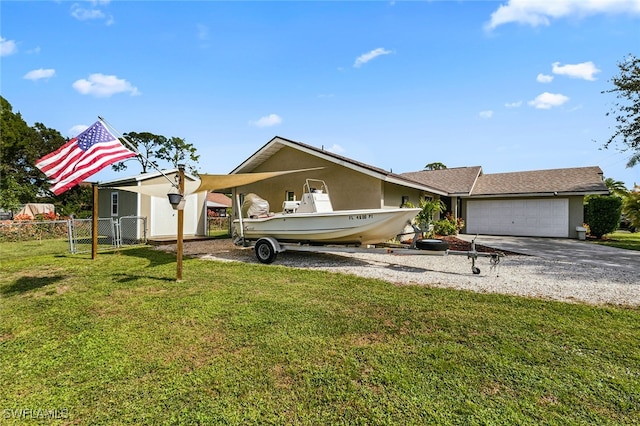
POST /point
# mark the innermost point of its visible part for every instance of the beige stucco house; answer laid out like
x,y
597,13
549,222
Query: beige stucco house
x,y
352,185
545,203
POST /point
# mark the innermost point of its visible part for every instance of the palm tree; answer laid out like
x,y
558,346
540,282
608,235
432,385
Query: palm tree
x,y
631,208
616,187
435,166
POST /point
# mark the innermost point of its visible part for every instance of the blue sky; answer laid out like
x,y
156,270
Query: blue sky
x,y
508,85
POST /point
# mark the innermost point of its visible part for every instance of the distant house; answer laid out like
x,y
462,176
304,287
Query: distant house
x,y
217,204
545,203
115,202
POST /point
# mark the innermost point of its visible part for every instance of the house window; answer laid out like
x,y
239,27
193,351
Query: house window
x,y
289,196
114,204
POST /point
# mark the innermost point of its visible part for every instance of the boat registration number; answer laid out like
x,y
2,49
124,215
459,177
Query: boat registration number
x,y
360,216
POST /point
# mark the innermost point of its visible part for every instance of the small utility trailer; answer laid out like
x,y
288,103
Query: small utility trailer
x,y
267,249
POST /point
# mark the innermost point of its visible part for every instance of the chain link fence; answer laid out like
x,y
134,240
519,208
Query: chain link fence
x,y
25,238
217,225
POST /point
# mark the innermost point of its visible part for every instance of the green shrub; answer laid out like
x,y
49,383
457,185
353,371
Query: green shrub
x,y
424,218
448,226
603,215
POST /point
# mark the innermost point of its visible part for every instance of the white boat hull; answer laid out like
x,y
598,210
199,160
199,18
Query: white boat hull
x,y
337,227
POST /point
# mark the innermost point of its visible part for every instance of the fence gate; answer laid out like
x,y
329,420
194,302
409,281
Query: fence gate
x,y
128,230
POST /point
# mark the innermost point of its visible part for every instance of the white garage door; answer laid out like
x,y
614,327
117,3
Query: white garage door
x,y
533,218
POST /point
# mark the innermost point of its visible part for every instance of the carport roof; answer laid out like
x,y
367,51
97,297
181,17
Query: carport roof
x,y
570,181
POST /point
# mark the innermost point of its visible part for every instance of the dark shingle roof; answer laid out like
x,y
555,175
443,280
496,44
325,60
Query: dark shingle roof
x,y
581,180
458,180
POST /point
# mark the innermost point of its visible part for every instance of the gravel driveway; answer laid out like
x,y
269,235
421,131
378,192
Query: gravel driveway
x,y
529,276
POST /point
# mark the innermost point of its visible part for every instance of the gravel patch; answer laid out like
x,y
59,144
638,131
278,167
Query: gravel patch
x,y
528,276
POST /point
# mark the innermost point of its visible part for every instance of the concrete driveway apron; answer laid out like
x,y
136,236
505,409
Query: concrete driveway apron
x,y
563,249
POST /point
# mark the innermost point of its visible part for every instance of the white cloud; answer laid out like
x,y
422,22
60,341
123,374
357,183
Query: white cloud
x,y
86,14
267,121
486,114
39,74
77,129
541,12
516,104
335,149
544,78
548,100
366,57
7,47
585,70
103,86
203,32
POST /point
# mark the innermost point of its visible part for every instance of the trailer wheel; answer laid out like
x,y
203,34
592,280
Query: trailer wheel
x,y
265,251
432,245
475,270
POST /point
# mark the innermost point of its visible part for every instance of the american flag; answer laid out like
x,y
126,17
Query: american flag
x,y
86,154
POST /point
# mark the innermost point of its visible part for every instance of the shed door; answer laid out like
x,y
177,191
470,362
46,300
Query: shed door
x,y
164,219
533,218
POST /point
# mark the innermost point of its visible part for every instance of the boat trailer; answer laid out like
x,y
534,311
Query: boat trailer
x,y
267,249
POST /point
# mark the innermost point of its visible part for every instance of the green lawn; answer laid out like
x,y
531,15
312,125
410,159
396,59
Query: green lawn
x,y
117,341
621,239
12,250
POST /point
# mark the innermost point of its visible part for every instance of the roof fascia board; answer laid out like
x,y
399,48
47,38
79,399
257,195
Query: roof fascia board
x,y
538,194
249,160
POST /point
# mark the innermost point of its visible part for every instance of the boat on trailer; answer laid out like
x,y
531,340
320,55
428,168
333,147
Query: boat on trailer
x,y
312,220
311,225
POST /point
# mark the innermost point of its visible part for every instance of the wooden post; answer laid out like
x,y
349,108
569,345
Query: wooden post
x,y
180,237
94,227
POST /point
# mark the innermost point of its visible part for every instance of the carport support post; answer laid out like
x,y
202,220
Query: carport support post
x,y
180,237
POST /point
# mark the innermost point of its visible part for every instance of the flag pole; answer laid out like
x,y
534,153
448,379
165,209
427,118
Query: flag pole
x,y
94,227
179,187
132,147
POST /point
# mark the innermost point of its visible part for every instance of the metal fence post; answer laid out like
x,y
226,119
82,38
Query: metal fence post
x,y
71,236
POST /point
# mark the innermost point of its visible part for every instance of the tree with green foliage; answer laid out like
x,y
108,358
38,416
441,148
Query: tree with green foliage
x,y
20,145
430,207
178,151
627,109
435,166
616,187
77,201
154,149
631,208
603,214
